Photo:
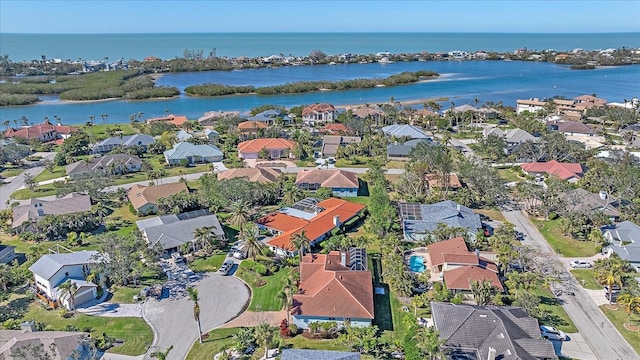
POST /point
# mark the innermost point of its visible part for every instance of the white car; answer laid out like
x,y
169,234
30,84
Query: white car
x,y
580,264
551,333
226,267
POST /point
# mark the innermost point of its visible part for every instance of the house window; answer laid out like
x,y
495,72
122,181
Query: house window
x,y
66,274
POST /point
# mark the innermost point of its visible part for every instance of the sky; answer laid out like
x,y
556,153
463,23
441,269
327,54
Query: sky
x,y
190,16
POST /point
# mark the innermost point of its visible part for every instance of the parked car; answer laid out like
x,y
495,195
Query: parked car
x,y
614,296
551,333
615,288
177,257
226,267
519,235
581,264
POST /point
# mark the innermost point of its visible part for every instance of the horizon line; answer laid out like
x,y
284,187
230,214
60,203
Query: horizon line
x,y
317,32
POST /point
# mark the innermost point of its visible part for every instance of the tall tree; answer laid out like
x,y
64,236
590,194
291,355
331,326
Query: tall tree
x,y
263,335
69,288
481,290
252,245
610,272
239,214
301,241
193,296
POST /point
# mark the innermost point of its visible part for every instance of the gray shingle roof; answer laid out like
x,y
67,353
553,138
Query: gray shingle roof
x,y
183,136
404,149
508,329
60,344
304,354
130,140
100,163
185,149
625,240
49,264
174,230
404,130
447,212
518,136
36,208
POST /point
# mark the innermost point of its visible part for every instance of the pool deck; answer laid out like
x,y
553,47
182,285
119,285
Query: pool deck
x,y
422,252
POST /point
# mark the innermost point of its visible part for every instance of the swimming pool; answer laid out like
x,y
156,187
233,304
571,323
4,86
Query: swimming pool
x,y
416,264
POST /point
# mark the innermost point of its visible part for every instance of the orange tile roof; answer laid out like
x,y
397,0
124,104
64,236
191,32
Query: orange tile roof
x,y
171,119
333,128
251,146
315,227
460,278
141,195
32,132
437,250
328,289
261,175
252,125
328,178
318,108
562,170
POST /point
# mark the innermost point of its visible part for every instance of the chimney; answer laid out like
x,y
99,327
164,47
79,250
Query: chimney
x,y
458,207
343,258
28,326
492,354
336,221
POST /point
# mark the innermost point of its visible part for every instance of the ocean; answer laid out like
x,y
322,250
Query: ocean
x,y
21,47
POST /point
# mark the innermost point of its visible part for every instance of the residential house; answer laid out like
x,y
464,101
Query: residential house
x,y
631,135
182,136
404,131
211,135
571,172
488,113
331,143
419,220
335,129
624,240
374,114
306,354
251,129
35,209
462,109
508,332
316,218
7,254
585,202
57,345
261,175
210,118
401,151
332,289
341,182
532,105
144,199
571,128
590,142
590,100
52,270
44,132
106,145
172,232
169,119
496,131
276,148
450,261
269,117
104,165
319,112
192,154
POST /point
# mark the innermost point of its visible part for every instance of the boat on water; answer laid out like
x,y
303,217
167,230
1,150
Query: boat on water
x,y
385,60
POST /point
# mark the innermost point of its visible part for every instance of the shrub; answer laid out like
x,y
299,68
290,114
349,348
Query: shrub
x,y
11,324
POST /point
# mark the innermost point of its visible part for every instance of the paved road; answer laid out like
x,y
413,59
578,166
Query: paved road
x,y
222,298
604,339
16,184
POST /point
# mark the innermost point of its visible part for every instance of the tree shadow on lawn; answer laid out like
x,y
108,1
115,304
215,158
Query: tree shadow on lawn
x,y
381,302
15,309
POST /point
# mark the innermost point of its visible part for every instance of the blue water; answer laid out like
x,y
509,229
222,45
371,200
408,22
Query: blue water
x,y
416,264
166,46
460,82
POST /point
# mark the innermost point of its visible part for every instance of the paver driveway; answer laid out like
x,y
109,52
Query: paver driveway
x,y
222,298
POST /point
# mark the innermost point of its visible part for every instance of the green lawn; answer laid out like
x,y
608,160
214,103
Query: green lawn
x,y
493,214
561,244
586,279
40,191
264,298
124,295
509,175
209,264
618,318
11,171
99,131
364,200
58,172
135,332
556,316
23,246
395,164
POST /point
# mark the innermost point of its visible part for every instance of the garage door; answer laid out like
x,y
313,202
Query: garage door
x,y
84,297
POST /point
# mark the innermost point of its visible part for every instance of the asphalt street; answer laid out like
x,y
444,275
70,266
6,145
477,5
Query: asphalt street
x,y
605,341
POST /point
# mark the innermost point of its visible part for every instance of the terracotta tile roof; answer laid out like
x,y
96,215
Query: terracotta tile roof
x,y
460,278
141,195
254,146
328,289
328,178
336,128
261,175
434,181
425,112
171,119
318,108
314,227
252,125
531,102
35,131
363,112
562,170
437,250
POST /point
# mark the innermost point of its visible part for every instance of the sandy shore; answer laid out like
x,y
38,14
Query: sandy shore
x,y
86,101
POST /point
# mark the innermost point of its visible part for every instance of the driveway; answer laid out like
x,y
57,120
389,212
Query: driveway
x,y
222,298
598,332
16,184
108,309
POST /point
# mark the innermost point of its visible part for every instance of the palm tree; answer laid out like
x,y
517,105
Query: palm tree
x,y
104,118
287,291
291,193
609,272
5,276
301,241
161,355
263,335
193,296
252,245
240,215
202,235
631,304
481,291
69,288
6,124
92,118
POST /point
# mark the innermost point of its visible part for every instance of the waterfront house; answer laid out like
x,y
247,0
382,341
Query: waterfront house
x,y
331,143
335,129
508,332
276,148
571,128
24,216
261,175
532,105
44,132
318,219
374,114
419,220
105,165
404,131
269,117
106,145
319,112
333,287
451,262
210,118
571,172
341,182
169,119
144,199
251,129
189,153
52,270
173,231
